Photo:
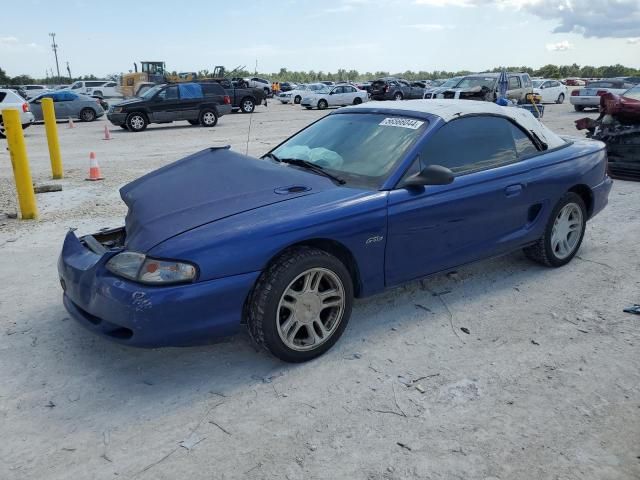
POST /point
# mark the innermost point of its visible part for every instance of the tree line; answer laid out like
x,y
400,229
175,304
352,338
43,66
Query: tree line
x,y
285,75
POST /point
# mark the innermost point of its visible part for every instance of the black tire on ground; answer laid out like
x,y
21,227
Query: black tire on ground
x,y
398,96
2,134
322,104
264,301
560,99
26,125
247,105
88,115
208,118
542,251
137,122
357,101
297,99
578,108
194,122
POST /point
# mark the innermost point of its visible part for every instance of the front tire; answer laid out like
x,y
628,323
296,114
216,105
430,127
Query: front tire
x,y
301,304
560,99
88,115
563,234
208,118
322,104
297,99
247,105
137,122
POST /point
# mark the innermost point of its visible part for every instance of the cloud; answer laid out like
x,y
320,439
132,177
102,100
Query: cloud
x,y
428,27
633,41
591,18
560,46
9,43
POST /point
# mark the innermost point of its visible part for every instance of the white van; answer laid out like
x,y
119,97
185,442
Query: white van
x,y
100,88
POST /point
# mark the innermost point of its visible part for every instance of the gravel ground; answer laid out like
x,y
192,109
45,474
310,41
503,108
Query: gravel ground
x,y
546,384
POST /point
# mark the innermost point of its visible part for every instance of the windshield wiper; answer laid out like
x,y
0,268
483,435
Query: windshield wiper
x,y
298,162
539,143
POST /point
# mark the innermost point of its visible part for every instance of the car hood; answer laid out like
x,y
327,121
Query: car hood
x,y
131,101
208,186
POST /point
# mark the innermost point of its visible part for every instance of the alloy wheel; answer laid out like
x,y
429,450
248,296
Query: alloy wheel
x,y
310,309
567,230
137,122
208,118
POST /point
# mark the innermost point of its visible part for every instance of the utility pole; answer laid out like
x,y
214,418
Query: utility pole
x,y
54,47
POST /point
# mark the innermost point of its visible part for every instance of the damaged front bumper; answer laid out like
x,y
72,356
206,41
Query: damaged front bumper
x,y
130,313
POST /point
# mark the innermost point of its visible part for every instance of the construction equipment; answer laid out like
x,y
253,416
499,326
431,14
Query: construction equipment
x,y
153,73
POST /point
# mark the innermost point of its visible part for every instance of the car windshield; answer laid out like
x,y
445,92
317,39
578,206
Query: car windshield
x,y
537,83
452,82
473,82
151,92
633,93
318,87
360,148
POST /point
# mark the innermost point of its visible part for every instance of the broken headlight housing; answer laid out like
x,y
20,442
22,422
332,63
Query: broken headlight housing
x,y
140,268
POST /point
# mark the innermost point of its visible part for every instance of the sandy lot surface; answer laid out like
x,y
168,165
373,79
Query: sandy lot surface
x,y
546,385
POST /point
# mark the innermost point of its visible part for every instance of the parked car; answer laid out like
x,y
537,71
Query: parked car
x,y
106,90
68,104
337,96
296,94
364,199
287,86
34,90
574,82
364,86
87,87
550,91
197,103
391,88
484,86
433,91
243,99
256,82
9,99
589,96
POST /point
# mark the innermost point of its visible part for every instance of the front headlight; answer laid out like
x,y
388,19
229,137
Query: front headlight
x,y
137,267
117,110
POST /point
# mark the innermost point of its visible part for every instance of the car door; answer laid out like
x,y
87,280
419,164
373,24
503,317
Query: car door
x,y
350,94
336,96
61,104
485,211
165,105
514,89
191,96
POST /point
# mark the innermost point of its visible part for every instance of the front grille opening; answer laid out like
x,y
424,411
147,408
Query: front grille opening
x,y
88,317
121,333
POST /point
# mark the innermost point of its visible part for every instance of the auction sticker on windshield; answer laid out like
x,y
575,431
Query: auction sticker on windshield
x,y
402,123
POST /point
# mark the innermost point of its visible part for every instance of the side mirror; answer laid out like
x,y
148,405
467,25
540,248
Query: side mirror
x,y
431,175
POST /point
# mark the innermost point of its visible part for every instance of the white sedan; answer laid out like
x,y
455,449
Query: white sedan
x,y
551,91
334,96
300,91
11,100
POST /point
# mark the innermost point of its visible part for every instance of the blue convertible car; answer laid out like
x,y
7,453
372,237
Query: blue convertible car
x,y
365,198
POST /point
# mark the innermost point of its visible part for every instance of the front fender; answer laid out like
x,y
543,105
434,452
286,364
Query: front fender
x,y
248,241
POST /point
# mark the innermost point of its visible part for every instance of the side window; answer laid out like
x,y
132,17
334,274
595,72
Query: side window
x,y
470,144
169,93
350,89
2,95
547,84
514,82
524,145
338,90
190,90
526,79
76,85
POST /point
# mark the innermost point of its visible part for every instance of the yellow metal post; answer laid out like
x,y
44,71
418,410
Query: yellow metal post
x,y
20,164
52,137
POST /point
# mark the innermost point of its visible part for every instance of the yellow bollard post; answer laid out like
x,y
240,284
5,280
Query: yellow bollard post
x,y
51,127
20,164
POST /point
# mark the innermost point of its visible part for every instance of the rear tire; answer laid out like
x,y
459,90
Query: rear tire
x,y
2,131
88,115
562,236
137,122
560,99
578,108
301,304
398,96
208,118
247,105
357,101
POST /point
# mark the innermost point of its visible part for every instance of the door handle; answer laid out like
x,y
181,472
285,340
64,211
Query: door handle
x,y
513,190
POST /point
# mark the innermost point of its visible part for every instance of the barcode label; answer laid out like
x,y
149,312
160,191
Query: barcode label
x,y
402,123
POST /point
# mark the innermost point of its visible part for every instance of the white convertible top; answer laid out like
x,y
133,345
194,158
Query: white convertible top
x,y
451,109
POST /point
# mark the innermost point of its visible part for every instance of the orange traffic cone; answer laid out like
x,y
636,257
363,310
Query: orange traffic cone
x,y
107,134
94,169
71,125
